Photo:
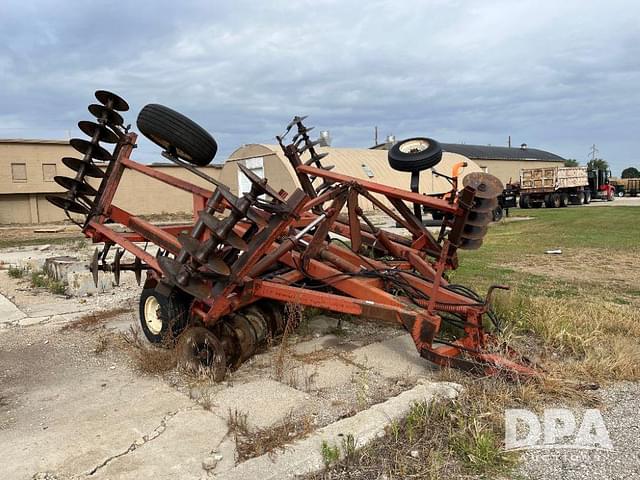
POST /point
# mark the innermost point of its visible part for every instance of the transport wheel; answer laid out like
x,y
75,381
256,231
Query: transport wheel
x,y
162,318
415,154
198,348
536,204
587,197
580,200
621,194
524,201
175,132
498,213
548,201
564,200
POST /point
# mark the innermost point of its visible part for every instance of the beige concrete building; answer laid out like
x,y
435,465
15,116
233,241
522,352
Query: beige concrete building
x,y
269,162
27,168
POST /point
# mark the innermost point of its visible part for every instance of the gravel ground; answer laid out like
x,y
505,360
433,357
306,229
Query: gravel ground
x,y
622,419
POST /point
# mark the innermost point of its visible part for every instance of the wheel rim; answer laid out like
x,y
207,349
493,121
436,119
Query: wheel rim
x,y
152,315
414,146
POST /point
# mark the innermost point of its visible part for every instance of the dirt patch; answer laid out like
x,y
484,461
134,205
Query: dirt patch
x,y
95,320
586,265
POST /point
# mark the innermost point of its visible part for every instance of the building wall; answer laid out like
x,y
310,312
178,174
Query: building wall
x,y
24,201
347,161
509,170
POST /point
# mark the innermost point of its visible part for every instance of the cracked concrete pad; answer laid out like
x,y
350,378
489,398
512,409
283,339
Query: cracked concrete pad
x,y
176,452
396,357
305,456
67,412
327,374
8,311
265,402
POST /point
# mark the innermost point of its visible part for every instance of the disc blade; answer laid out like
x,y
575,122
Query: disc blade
x,y
195,287
474,233
233,239
103,113
466,244
87,148
75,185
67,204
479,219
485,184
484,204
117,102
189,244
90,169
260,183
217,266
104,133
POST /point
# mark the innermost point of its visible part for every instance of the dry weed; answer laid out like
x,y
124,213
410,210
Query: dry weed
x,y
94,320
149,359
252,443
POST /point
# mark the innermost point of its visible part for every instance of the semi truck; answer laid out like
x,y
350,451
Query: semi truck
x,y
556,187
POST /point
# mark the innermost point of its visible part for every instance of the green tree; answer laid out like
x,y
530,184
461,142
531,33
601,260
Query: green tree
x,y
570,162
631,172
598,164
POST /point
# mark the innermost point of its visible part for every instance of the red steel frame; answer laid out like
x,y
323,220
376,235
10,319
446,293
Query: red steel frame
x,y
311,256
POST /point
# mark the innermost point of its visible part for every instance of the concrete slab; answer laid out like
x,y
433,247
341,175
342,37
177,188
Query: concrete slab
x,y
266,402
305,456
327,374
9,313
167,454
396,357
68,411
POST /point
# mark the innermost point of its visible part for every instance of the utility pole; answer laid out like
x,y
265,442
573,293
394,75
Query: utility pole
x,y
375,135
593,152
509,141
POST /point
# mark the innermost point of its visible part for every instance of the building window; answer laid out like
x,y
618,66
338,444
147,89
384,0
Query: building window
x,y
19,172
48,171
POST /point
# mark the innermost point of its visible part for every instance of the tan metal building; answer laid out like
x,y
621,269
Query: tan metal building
x,y
269,162
27,168
506,162
503,162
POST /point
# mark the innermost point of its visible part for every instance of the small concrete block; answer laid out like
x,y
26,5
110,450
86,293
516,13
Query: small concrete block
x,y
81,283
266,402
396,357
58,268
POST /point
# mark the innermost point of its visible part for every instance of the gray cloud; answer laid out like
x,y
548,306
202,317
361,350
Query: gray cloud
x,y
558,76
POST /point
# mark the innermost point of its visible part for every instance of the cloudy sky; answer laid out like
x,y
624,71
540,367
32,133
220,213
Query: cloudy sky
x,y
560,76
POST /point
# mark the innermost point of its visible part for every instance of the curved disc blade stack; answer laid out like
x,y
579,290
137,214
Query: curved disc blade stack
x,y
487,188
80,196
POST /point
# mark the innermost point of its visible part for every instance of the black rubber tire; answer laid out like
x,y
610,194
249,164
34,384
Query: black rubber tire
x,y
564,200
587,197
498,213
199,348
414,161
536,204
174,314
524,201
173,131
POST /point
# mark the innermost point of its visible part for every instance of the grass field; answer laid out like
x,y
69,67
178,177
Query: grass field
x,y
576,314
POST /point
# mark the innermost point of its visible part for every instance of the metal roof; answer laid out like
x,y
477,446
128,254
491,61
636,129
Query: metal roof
x,y
488,152
34,140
